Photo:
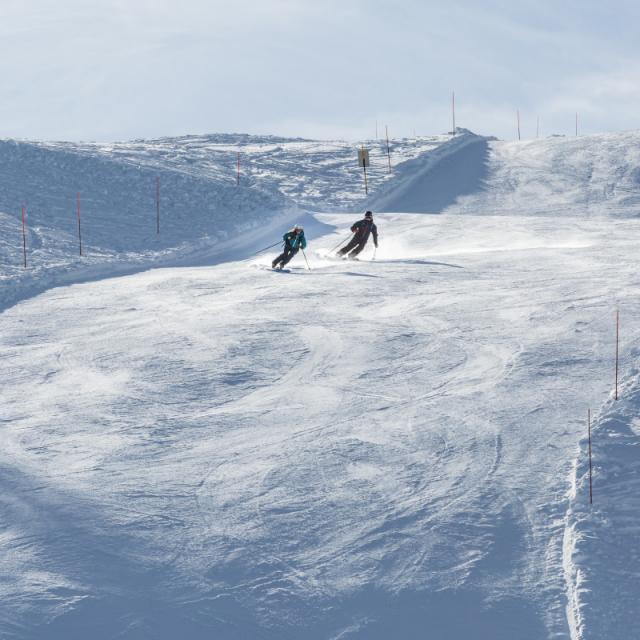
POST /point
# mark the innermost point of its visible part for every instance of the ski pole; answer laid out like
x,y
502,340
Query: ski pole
x,y
305,258
269,247
338,245
374,253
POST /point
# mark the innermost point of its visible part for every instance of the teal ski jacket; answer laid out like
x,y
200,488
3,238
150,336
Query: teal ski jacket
x,y
294,240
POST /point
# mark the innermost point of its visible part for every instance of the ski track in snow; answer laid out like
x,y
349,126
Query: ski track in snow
x,y
363,450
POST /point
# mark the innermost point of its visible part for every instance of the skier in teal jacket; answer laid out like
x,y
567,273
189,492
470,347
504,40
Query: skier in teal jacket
x,y
294,240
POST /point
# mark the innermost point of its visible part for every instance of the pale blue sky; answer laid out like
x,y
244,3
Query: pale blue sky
x,y
121,69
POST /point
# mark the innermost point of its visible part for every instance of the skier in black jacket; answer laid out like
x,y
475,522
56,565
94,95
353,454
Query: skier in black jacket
x,y
361,231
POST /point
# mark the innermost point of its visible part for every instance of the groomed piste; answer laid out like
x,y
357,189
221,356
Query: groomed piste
x,y
194,446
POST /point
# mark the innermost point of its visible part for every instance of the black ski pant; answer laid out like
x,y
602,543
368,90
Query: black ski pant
x,y
354,247
284,257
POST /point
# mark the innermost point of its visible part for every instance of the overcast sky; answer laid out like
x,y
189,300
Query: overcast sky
x,y
122,69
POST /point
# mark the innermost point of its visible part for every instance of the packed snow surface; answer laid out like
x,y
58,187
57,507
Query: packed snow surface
x,y
367,449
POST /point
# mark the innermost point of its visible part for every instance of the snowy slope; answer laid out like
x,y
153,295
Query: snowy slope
x,y
364,450
587,176
118,215
591,175
204,214
602,557
317,175
307,454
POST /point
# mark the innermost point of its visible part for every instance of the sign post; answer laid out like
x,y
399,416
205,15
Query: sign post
x,y
363,161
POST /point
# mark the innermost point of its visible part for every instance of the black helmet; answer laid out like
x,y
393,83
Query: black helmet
x,y
368,214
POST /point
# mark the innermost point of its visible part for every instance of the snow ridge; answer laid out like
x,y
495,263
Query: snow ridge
x,y
602,568
413,190
590,175
571,573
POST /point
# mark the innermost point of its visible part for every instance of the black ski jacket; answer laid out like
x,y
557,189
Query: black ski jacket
x,y
363,228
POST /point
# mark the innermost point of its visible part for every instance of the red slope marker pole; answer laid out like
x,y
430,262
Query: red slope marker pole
x,y
617,348
590,464
78,213
158,206
24,240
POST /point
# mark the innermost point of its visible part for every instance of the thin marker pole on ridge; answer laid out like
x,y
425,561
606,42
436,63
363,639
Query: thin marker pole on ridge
x,y
453,112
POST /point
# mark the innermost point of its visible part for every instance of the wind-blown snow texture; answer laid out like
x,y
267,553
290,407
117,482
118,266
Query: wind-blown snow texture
x,y
364,450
